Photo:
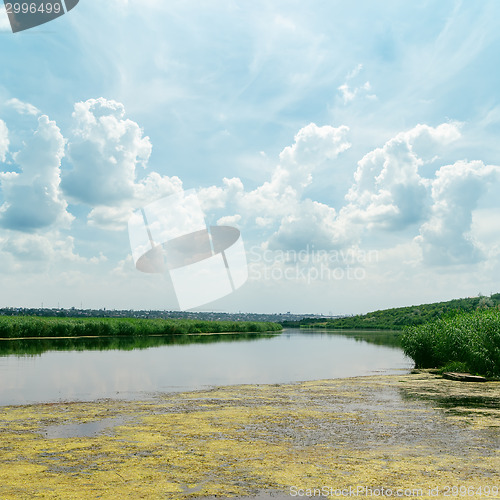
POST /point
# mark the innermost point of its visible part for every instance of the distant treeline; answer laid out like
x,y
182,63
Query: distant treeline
x,y
31,326
401,317
467,342
146,314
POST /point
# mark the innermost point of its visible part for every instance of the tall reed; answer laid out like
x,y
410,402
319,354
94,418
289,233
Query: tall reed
x,y
472,339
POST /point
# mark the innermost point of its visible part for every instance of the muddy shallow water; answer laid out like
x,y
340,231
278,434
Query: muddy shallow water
x,y
415,432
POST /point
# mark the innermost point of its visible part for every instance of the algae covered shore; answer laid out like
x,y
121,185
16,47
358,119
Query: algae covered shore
x,y
417,434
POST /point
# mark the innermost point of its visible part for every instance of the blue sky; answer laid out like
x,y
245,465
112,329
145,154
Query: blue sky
x,y
364,134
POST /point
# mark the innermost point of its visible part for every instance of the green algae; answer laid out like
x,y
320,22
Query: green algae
x,y
381,431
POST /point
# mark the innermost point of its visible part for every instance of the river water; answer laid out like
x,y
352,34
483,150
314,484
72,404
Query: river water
x,y
33,371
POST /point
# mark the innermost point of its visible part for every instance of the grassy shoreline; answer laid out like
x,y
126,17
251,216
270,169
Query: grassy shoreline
x,y
12,327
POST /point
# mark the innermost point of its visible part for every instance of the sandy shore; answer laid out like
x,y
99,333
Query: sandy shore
x,y
413,432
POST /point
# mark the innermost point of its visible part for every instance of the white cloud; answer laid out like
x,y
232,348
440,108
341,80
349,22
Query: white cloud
x,y
149,189
28,247
445,238
4,20
311,223
23,108
37,247
105,150
214,197
4,140
111,218
154,186
278,203
485,230
349,91
33,209
427,142
32,198
263,221
388,191
38,253
229,220
313,147
388,194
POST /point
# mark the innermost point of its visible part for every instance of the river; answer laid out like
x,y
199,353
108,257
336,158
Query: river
x,y
41,370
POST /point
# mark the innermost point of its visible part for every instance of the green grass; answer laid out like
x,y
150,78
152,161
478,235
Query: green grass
x,y
470,341
33,326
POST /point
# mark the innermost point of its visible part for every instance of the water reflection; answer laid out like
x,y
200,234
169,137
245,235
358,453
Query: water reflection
x,y
33,347
89,369
389,338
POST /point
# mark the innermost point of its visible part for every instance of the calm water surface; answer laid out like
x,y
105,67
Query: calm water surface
x,y
89,369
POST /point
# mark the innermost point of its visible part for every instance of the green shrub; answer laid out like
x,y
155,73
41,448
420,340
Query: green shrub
x,y
454,366
472,339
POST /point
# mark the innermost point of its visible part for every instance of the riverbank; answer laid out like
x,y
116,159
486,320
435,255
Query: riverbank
x,y
30,327
415,431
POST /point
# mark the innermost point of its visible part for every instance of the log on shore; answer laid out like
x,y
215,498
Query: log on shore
x,y
464,377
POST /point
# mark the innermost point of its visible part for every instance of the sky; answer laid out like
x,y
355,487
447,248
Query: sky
x,y
354,145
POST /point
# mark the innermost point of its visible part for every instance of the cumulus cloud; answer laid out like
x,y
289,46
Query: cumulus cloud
x,y
229,220
215,197
153,187
313,146
33,209
104,153
4,140
388,191
32,197
311,223
37,247
445,238
40,252
388,194
278,203
107,151
427,142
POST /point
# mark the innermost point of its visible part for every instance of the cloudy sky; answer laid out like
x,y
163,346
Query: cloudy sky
x,y
354,144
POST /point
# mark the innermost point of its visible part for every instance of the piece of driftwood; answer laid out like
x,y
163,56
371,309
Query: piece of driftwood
x,y
464,377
